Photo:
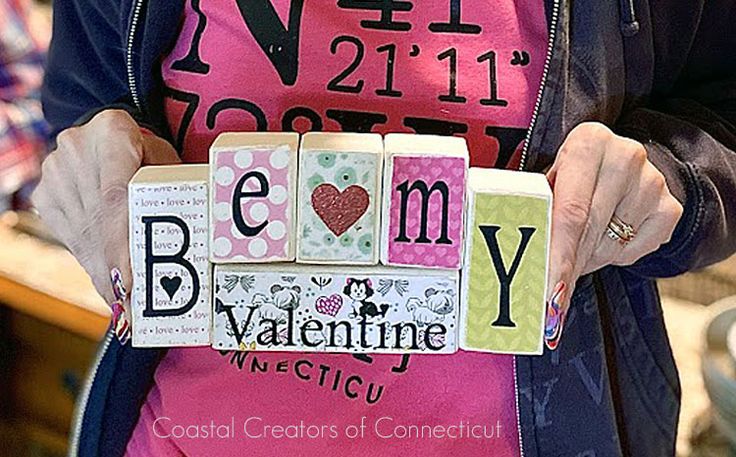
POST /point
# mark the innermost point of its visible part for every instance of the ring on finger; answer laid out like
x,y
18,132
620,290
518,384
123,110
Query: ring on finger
x,y
620,231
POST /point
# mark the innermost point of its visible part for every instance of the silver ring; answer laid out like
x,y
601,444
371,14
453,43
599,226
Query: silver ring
x,y
620,231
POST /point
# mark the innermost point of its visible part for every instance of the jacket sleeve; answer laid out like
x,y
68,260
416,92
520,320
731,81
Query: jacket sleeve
x,y
690,136
86,69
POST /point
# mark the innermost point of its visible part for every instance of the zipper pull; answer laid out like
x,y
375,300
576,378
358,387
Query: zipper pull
x,y
629,26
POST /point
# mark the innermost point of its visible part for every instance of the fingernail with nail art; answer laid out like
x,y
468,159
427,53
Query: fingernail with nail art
x,y
555,317
120,324
117,285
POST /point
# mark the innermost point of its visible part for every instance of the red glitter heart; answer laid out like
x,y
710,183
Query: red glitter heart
x,y
339,210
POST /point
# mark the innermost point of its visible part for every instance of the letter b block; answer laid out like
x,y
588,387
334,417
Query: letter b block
x,y
505,269
252,206
424,200
170,299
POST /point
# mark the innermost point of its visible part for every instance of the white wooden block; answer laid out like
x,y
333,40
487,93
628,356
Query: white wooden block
x,y
339,198
505,269
170,300
302,308
252,208
423,200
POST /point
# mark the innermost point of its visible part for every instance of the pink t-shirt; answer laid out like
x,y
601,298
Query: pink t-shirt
x,y
469,68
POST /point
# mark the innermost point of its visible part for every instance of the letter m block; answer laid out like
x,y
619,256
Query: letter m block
x,y
505,269
424,200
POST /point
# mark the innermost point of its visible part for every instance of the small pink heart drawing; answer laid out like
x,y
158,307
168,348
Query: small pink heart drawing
x,y
329,305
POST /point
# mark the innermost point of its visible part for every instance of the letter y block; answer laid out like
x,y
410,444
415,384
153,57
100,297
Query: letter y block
x,y
504,275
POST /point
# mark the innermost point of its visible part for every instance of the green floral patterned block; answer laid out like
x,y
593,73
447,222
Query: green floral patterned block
x,y
339,207
506,273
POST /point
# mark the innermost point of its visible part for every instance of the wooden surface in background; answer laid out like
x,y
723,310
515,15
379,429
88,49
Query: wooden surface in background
x,y
45,281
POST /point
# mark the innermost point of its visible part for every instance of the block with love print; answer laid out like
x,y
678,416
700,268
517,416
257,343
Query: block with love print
x,y
170,297
505,269
253,202
423,200
339,198
347,309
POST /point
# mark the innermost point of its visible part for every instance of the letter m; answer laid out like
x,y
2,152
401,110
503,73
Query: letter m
x,y
425,193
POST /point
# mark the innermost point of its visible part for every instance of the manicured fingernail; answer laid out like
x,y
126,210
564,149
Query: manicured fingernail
x,y
117,285
555,317
120,324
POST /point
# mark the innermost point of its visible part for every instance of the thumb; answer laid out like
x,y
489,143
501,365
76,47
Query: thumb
x,y
157,151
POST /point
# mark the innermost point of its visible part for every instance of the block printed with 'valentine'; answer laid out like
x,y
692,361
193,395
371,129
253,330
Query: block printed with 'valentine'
x,y
424,199
348,309
339,198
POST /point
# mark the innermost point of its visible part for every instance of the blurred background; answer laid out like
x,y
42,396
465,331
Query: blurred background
x,y
51,318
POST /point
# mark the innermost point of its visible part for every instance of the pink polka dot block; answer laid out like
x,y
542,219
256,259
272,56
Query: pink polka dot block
x,y
424,201
253,197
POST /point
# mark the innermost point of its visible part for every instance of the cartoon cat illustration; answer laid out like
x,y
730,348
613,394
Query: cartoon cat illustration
x,y
435,305
359,291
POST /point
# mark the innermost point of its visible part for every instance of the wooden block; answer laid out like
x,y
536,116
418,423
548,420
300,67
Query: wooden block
x,y
424,200
505,268
339,198
301,308
252,209
170,300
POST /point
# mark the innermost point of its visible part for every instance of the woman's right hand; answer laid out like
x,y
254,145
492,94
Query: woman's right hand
x,y
83,193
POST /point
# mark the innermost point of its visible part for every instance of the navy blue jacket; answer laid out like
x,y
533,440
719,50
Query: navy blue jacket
x,y
660,71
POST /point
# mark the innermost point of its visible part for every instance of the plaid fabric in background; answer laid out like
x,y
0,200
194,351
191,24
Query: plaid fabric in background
x,y
23,131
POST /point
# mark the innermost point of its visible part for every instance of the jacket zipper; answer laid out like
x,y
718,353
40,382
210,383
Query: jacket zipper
x,y
522,164
137,7
518,415
84,398
82,404
545,74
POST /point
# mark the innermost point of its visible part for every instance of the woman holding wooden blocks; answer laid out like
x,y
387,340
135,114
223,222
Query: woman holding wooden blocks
x,y
499,322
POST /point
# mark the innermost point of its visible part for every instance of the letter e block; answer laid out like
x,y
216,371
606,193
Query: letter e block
x,y
424,200
170,299
504,275
253,194
340,198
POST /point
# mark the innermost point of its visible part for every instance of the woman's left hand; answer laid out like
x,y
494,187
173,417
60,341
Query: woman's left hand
x,y
599,177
